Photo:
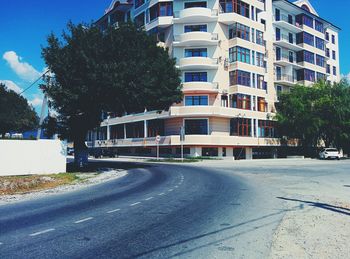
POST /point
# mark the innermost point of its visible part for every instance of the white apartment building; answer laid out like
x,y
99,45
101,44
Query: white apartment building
x,y
234,57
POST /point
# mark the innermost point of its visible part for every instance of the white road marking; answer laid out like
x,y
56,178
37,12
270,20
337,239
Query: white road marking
x,y
161,194
150,198
170,190
41,232
111,211
134,204
83,220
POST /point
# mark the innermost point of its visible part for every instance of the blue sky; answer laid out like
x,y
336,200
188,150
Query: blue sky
x,y
25,24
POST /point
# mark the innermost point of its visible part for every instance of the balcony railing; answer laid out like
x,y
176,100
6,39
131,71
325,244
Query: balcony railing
x,y
286,38
286,78
211,12
287,58
288,19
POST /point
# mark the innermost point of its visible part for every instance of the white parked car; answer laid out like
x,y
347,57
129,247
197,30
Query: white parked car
x,y
330,153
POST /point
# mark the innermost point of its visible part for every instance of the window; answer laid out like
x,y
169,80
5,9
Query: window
x,y
306,74
333,54
238,77
328,69
224,100
260,38
320,43
140,20
196,4
196,100
240,127
138,3
327,36
117,131
320,76
239,54
235,6
241,101
161,9
319,26
327,53
306,56
333,39
238,30
260,59
305,20
200,27
155,127
262,104
334,71
304,37
196,77
196,52
266,129
261,82
135,130
320,61
196,126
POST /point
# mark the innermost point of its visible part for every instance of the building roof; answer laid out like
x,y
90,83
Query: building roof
x,y
309,13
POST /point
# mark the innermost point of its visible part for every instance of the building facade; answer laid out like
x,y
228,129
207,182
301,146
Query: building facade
x,y
235,57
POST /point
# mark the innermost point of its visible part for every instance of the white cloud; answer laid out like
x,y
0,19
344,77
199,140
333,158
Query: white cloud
x,y
11,85
36,101
23,69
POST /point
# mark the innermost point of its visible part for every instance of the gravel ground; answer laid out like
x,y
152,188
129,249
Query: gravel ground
x,y
86,179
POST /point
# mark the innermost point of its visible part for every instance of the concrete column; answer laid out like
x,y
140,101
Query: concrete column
x,y
220,152
108,132
195,151
145,129
124,131
252,127
257,127
229,152
248,153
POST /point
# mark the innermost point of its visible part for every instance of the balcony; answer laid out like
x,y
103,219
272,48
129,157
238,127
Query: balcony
x,y
287,42
196,38
288,23
285,80
194,63
195,14
287,60
200,87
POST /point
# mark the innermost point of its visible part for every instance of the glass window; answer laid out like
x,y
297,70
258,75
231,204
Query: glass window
x,y
267,129
320,43
333,54
240,101
305,37
319,26
200,27
320,76
238,77
320,61
306,56
260,38
196,4
235,6
305,20
306,74
196,126
135,129
196,100
260,59
155,127
333,39
334,71
196,77
240,127
196,52
239,54
238,30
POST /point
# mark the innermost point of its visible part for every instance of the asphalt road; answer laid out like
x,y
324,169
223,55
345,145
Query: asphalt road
x,y
157,211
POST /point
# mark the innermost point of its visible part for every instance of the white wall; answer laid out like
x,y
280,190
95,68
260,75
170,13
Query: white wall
x,y
22,157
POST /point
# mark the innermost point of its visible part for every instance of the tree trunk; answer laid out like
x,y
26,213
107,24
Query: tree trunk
x,y
81,152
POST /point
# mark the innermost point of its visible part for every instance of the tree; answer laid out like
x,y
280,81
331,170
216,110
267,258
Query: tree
x,y
316,114
120,70
15,112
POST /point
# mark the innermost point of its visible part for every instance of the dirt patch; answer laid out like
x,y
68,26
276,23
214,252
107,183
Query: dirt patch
x,y
10,185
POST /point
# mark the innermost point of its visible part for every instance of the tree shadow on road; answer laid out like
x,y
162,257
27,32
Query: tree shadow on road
x,y
325,206
194,238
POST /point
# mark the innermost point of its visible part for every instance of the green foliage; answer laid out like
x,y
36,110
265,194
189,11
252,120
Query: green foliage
x,y
317,113
15,113
120,70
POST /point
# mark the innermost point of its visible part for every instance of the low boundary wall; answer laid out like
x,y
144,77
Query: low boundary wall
x,y
23,157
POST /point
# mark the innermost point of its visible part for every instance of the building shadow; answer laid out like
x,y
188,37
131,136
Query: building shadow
x,y
326,206
99,166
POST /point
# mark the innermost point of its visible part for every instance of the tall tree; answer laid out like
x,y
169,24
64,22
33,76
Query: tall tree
x,y
120,70
15,112
316,114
